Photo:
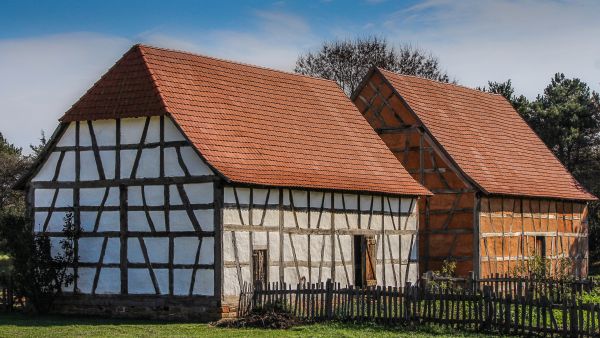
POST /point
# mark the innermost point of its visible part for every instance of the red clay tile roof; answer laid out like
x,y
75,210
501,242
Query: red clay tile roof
x,y
254,125
487,139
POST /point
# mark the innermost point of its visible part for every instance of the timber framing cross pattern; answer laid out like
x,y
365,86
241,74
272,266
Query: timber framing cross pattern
x,y
193,176
184,170
497,189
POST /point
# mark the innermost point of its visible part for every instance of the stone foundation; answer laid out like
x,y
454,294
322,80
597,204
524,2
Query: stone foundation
x,y
197,308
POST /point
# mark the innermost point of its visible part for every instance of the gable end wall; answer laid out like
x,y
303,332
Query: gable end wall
x,y
146,203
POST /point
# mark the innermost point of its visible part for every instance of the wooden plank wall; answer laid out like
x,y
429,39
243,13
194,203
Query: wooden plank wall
x,y
446,219
509,227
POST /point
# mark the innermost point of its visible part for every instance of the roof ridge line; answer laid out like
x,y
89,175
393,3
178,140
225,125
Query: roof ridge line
x,y
440,82
233,62
154,79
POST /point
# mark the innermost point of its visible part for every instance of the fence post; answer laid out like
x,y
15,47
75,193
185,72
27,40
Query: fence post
x,y
255,297
329,298
426,278
487,307
573,317
471,282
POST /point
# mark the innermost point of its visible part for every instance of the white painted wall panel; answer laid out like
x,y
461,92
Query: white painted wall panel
x,y
127,160
199,193
68,137
180,221
230,281
137,221
85,279
67,168
162,278
206,219
228,252
172,167
85,139
341,276
134,251
87,220
44,197
181,281
153,134
139,282
108,161
149,166
195,165
109,221
243,248
290,275
271,217
46,172
89,249
205,283
174,197
56,223
259,239
109,281
154,195
158,249
172,133
92,196
131,130
105,131
185,250
89,172
207,251
321,220
112,254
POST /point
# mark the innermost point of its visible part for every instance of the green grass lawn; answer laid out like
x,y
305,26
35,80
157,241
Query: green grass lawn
x,y
18,325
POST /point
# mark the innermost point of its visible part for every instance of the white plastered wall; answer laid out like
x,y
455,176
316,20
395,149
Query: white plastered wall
x,y
308,246
172,262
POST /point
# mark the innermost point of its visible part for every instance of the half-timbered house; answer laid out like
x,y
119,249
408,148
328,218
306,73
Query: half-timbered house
x,y
500,195
192,175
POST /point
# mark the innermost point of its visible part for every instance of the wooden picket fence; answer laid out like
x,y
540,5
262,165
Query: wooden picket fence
x,y
554,290
461,308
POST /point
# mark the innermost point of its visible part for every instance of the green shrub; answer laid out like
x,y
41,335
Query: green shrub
x,y
590,297
37,275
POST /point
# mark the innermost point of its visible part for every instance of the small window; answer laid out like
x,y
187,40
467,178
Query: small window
x,y
540,246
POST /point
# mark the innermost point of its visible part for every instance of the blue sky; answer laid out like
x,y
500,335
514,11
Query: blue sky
x,y
51,52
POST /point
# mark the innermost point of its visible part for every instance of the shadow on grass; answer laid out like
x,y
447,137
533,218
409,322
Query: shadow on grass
x,y
21,319
319,329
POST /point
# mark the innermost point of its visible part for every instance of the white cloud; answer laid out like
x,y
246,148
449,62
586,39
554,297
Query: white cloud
x,y
486,40
276,41
42,77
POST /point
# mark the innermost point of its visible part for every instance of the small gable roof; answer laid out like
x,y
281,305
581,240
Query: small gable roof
x,y
253,125
488,140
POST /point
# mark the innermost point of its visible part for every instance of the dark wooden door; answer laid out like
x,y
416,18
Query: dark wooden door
x,y
259,265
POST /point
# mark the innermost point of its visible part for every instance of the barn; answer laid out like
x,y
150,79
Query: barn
x,y
192,175
500,195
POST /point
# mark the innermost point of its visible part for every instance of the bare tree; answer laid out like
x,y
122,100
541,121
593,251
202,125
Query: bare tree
x,y
348,61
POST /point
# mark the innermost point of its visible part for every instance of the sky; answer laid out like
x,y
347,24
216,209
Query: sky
x,y
51,52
